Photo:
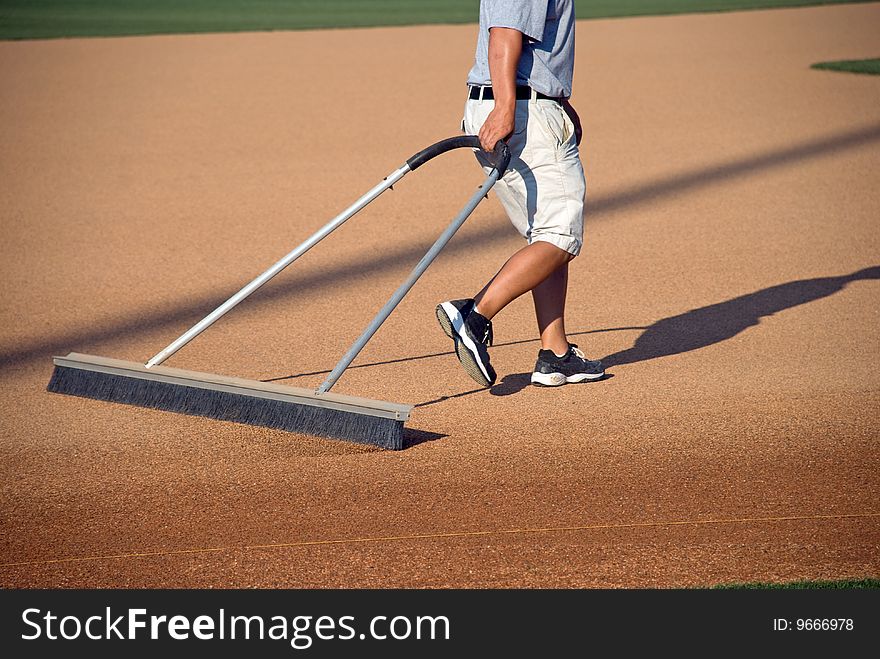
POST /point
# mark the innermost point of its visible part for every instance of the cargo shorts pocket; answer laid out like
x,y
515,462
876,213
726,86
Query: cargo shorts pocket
x,y
556,123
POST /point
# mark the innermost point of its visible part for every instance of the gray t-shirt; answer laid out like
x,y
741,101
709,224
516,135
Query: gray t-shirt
x,y
547,60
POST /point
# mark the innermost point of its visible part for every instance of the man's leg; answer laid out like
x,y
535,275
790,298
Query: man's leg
x,y
549,299
543,269
544,197
468,322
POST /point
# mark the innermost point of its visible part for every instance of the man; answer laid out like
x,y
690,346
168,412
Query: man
x,y
519,88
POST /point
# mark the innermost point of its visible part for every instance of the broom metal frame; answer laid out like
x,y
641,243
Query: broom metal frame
x,y
499,158
233,385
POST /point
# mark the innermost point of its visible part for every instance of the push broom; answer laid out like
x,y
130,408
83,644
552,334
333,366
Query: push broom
x,y
313,412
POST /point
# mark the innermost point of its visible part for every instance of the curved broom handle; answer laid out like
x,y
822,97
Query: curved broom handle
x,y
496,157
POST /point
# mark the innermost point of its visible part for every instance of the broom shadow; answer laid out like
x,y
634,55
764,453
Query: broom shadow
x,y
399,360
715,323
413,437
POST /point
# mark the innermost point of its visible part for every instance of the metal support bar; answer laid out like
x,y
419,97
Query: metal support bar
x,y
417,272
322,233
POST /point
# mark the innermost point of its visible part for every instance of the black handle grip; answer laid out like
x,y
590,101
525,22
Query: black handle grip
x,y
499,158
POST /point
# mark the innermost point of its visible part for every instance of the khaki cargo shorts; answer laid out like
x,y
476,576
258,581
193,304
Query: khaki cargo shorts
x,y
543,189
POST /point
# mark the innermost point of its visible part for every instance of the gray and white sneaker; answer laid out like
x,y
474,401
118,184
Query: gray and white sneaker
x,y
553,371
472,333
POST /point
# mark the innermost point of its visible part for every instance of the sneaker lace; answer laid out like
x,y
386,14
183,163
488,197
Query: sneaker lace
x,y
488,337
577,351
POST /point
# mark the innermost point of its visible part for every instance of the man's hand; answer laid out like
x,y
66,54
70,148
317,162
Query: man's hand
x,y
505,48
498,126
575,119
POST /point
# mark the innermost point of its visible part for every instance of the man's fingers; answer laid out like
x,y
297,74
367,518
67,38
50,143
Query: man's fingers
x,y
490,136
496,127
486,140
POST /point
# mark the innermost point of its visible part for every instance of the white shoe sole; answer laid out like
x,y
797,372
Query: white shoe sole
x,y
454,321
558,379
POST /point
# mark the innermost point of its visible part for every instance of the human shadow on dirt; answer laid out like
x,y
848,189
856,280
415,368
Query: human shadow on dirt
x,y
706,326
719,322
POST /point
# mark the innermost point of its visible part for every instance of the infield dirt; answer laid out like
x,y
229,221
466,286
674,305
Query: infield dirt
x,y
729,282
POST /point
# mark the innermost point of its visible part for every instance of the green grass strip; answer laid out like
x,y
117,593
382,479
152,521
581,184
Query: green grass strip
x,y
844,584
42,19
869,66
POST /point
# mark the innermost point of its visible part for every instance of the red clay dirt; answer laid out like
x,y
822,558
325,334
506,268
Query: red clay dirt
x,y
729,282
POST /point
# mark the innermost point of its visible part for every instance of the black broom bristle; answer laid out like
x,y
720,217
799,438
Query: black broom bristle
x,y
224,406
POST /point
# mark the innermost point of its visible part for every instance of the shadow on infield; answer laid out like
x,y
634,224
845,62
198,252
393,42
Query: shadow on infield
x,y
195,304
692,330
715,323
708,325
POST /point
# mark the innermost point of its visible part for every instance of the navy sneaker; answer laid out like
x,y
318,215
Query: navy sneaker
x,y
472,334
553,371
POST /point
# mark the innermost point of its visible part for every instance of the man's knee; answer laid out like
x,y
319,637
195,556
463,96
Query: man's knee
x,y
558,250
565,257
